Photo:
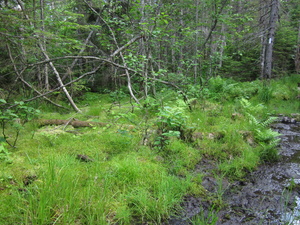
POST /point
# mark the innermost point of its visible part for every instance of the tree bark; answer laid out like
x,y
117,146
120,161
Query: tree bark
x,y
297,55
196,40
42,17
268,56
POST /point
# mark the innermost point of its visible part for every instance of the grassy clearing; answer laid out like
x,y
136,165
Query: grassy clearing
x,y
138,173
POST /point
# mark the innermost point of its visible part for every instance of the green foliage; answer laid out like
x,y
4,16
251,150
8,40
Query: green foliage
x,y
150,191
263,135
252,109
15,118
135,62
283,92
123,190
222,89
285,44
202,219
241,62
239,166
171,122
265,93
78,88
4,153
117,95
181,158
127,181
171,118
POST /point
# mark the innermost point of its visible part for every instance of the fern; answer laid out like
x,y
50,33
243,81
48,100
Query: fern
x,y
262,124
269,150
249,108
252,119
268,121
264,136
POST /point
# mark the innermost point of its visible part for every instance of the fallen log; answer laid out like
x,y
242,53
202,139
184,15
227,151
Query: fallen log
x,y
72,122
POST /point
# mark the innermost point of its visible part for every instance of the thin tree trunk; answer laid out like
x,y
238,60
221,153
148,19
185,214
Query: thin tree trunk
x,y
264,11
262,56
179,69
218,12
59,80
42,17
297,56
196,40
222,45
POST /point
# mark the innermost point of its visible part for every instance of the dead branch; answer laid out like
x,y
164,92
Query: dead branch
x,y
74,123
56,89
119,50
85,57
19,76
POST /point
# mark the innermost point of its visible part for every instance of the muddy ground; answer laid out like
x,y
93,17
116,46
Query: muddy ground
x,y
269,195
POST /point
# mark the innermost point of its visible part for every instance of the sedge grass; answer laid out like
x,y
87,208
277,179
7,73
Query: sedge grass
x,y
121,184
126,182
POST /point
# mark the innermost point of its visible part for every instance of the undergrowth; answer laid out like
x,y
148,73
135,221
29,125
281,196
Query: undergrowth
x,y
138,167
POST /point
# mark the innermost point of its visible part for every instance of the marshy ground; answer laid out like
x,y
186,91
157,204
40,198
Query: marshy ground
x,y
159,163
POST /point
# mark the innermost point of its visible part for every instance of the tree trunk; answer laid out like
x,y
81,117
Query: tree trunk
x,y
46,73
196,60
297,56
263,27
267,70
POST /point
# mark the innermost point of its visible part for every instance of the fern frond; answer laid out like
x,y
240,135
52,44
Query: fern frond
x,y
268,122
252,119
266,135
249,108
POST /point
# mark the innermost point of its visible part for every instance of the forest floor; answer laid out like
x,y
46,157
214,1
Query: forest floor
x,y
161,162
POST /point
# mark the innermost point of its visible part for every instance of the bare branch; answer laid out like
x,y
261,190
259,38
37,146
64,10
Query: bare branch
x,y
85,57
126,45
19,76
56,89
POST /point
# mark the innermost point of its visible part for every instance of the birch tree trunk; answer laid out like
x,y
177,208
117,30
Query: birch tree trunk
x,y
59,80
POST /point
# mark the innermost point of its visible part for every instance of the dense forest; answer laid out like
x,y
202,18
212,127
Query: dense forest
x,y
146,111
139,46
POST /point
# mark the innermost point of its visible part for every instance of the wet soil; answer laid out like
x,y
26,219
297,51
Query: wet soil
x,y
268,195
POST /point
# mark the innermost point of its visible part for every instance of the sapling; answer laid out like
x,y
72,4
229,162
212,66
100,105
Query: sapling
x,y
15,117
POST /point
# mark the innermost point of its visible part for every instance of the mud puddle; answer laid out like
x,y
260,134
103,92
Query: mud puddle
x,y
269,195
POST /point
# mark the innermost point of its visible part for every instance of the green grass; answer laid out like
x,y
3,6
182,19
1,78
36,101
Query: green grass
x,y
129,181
